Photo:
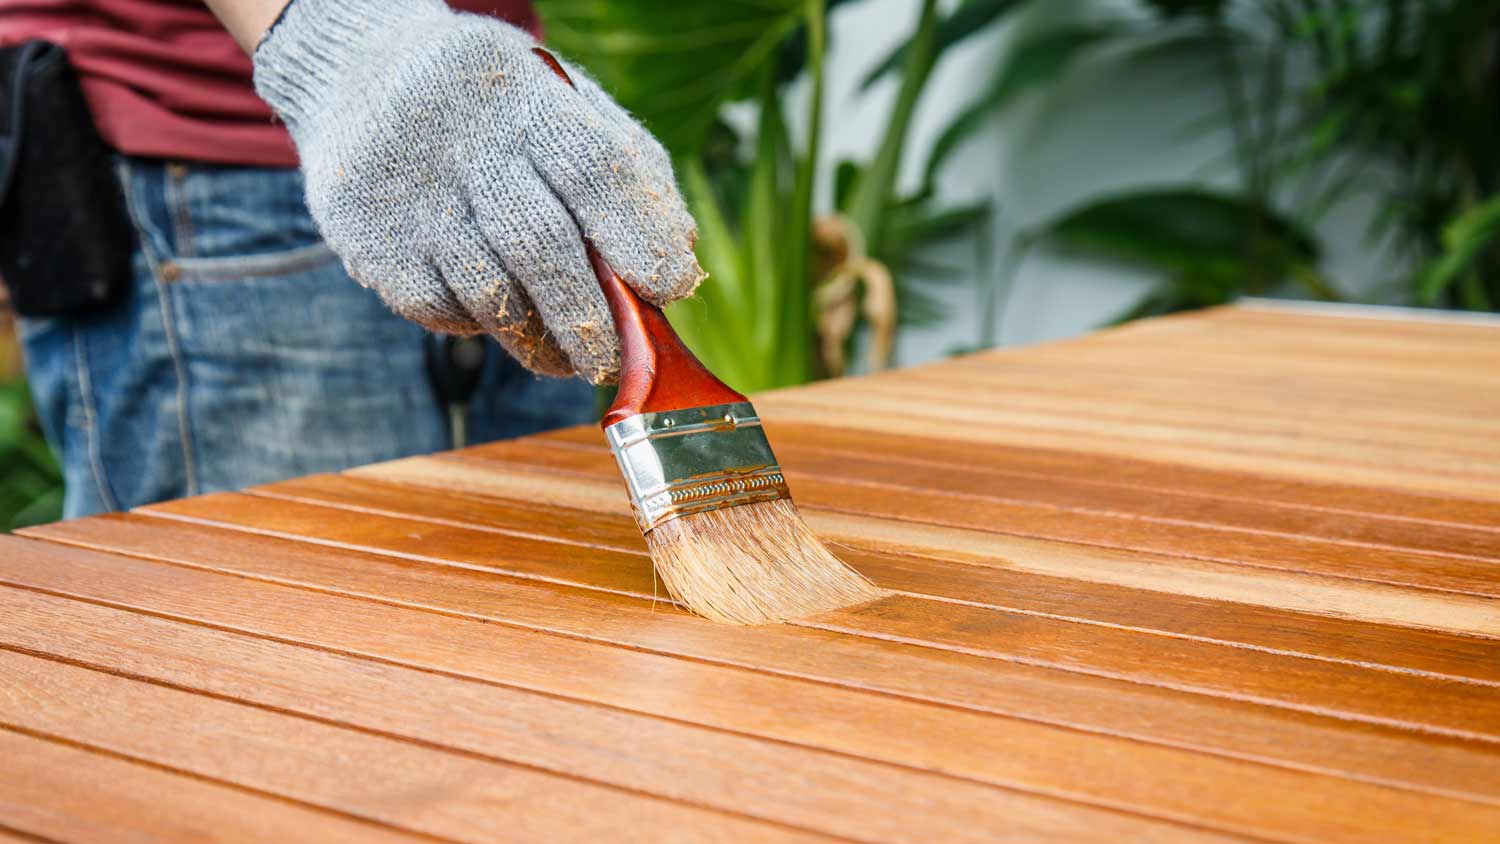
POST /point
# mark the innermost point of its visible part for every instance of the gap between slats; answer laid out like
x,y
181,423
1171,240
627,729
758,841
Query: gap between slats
x,y
1407,569
1460,720
958,582
451,795
1121,410
61,786
964,683
1316,807
376,712
893,416
12,835
1053,495
1112,473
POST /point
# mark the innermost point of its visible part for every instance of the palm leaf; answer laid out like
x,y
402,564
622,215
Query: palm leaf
x,y
968,19
670,63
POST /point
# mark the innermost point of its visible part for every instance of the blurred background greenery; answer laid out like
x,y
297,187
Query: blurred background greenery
x,y
30,483
827,241
1390,101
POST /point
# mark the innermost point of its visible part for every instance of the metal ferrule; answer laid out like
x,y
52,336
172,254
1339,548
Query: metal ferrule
x,y
680,462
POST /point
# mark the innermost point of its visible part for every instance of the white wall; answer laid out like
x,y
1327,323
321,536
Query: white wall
x,y
1112,124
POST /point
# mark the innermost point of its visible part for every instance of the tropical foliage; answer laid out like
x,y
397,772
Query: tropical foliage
x,y
777,282
1324,99
30,482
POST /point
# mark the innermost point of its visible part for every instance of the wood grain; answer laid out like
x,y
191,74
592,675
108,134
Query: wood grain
x,y
996,750
1269,544
1227,576
1268,628
820,790
62,792
956,681
491,721
1120,487
420,789
1341,690
1289,589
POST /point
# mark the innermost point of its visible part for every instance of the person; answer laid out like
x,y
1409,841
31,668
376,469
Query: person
x,y
443,167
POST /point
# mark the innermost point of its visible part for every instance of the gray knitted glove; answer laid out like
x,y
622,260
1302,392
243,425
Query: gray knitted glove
x,y
452,171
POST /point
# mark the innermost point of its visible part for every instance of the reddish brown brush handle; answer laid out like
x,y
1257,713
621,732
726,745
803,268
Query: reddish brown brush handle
x,y
657,371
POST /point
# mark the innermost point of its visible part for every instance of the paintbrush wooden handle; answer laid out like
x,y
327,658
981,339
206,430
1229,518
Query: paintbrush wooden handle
x,y
657,371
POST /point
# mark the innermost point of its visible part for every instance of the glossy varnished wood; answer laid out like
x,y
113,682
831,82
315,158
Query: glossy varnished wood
x,y
1229,576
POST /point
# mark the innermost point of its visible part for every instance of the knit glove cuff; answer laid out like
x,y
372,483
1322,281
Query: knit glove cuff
x,y
316,42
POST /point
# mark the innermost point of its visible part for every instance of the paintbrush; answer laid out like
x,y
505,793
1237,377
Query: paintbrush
x,y
708,494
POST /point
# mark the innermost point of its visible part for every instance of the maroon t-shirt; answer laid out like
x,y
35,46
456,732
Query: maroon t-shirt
x,y
164,78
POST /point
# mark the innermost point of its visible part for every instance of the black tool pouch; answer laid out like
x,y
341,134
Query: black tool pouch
x,y
65,236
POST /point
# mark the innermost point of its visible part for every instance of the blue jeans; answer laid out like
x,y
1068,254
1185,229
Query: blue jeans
x,y
244,354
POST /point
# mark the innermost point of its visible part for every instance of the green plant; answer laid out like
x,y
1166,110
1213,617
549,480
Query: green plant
x,y
1207,246
1323,99
30,481
1402,103
756,319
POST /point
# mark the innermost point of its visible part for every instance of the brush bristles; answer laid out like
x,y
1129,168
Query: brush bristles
x,y
753,564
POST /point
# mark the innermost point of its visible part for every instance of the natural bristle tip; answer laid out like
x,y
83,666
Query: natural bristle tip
x,y
753,564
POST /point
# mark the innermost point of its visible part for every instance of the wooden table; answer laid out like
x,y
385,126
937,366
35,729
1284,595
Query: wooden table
x,y
1221,577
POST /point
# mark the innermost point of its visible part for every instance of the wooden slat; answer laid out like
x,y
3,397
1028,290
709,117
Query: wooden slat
x,y
823,791
1442,654
1324,408
245,668
1360,438
1459,476
1227,576
1459,357
1340,407
486,719
826,456
1142,476
935,738
1342,690
58,792
1371,601
404,785
1192,343
1366,558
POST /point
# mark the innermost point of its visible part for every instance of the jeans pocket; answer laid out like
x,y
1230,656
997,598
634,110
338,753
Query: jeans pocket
x,y
231,223
270,265
297,372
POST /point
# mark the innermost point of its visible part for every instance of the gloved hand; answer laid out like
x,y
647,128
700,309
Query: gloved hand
x,y
452,170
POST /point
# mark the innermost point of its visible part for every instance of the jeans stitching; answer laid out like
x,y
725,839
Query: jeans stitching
x,y
169,330
146,232
175,190
271,264
85,385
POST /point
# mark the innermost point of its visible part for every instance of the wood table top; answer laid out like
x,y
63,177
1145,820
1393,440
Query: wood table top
x,y
1229,576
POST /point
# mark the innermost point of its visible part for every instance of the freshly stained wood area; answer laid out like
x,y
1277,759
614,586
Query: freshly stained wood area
x,y
1232,576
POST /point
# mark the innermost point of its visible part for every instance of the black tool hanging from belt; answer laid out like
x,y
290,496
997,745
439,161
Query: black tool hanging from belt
x,y
454,367
65,235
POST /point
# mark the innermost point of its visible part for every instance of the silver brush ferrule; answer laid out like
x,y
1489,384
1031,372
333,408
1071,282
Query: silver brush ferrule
x,y
679,462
